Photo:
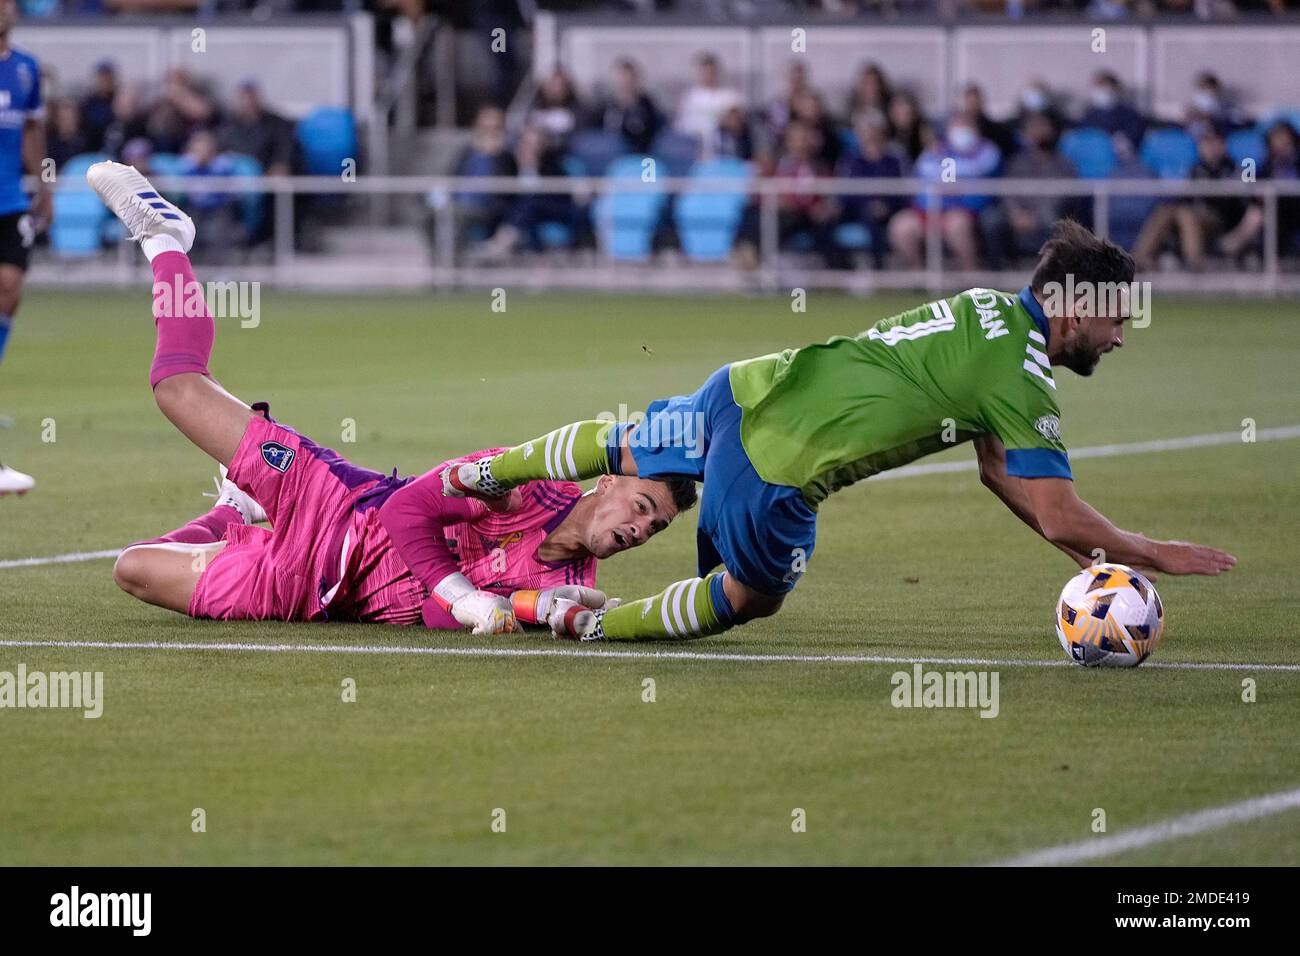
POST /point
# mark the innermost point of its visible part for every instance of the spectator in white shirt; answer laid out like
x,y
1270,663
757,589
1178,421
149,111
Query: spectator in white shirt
x,y
705,103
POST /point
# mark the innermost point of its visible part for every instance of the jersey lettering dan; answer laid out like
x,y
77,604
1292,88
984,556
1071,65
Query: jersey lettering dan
x,y
824,416
20,100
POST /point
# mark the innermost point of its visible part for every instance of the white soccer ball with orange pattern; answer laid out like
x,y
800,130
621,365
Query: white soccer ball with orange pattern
x,y
1109,616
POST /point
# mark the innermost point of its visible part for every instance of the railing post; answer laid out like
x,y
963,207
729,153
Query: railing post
x,y
934,239
1271,235
1101,210
444,225
284,236
769,238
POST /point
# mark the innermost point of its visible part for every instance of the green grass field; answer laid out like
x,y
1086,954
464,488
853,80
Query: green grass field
x,y
710,772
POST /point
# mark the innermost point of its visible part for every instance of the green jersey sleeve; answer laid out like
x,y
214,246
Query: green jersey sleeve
x,y
1023,412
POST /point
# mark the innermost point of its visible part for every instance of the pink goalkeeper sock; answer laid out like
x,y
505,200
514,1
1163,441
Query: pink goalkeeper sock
x,y
210,528
185,329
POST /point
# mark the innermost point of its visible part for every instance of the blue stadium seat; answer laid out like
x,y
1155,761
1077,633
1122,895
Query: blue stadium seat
x,y
1170,153
596,149
327,137
852,235
626,220
1247,144
252,206
79,215
1128,213
1281,116
166,164
707,221
555,235
677,151
849,144
1090,150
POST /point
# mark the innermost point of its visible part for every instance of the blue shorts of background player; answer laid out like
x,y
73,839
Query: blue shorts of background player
x,y
762,533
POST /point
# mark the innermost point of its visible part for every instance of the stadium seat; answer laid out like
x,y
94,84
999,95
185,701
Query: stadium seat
x,y
1247,144
1128,213
626,221
596,149
707,221
1170,153
849,144
1090,150
852,235
677,151
252,206
79,215
327,137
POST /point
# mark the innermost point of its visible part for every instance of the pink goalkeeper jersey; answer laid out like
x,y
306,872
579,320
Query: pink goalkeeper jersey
x,y
402,549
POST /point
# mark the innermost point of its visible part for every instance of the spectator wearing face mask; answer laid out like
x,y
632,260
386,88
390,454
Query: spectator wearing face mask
x,y
969,156
1019,225
1037,97
1210,109
1109,112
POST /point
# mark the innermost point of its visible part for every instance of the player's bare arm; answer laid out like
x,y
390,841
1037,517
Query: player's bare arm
x,y
992,457
1066,519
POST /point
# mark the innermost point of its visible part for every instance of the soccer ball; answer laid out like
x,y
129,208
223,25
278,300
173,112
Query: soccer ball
x,y
1109,616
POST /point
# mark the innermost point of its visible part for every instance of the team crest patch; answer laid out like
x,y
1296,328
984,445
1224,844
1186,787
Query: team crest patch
x,y
277,456
1049,426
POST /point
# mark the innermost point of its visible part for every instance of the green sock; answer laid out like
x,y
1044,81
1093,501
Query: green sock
x,y
570,453
696,607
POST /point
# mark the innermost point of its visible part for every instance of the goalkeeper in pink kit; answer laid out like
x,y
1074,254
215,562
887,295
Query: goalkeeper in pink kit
x,y
347,543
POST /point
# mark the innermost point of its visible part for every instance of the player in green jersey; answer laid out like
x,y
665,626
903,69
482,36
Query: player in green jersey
x,y
772,437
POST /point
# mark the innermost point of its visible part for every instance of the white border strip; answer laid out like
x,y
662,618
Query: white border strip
x,y
1189,825
909,471
622,654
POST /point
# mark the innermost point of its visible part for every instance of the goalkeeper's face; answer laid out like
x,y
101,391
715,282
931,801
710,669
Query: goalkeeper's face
x,y
627,512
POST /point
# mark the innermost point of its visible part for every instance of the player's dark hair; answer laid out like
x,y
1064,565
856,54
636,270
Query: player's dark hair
x,y
1072,250
683,492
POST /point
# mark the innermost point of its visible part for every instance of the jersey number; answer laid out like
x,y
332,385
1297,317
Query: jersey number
x,y
943,321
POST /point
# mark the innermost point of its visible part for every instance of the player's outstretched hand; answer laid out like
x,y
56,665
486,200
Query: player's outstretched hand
x,y
571,621
485,613
537,607
1183,557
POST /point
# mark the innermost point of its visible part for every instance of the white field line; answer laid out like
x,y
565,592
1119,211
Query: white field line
x,y
1109,451
637,655
909,471
72,558
1191,824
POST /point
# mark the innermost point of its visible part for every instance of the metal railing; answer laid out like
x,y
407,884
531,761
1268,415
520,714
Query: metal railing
x,y
775,270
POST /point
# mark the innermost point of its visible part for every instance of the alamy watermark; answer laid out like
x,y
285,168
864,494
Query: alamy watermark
x,y
133,911
921,688
667,428
1089,299
74,690
222,300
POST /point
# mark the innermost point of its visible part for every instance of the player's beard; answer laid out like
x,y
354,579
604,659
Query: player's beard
x,y
1081,360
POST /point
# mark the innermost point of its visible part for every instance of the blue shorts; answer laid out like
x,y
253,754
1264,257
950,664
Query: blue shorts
x,y
762,533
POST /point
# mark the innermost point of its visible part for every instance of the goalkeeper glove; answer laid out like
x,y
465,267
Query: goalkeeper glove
x,y
482,611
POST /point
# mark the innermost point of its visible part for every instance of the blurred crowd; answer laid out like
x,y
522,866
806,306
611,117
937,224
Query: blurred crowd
x,y
178,127
883,130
